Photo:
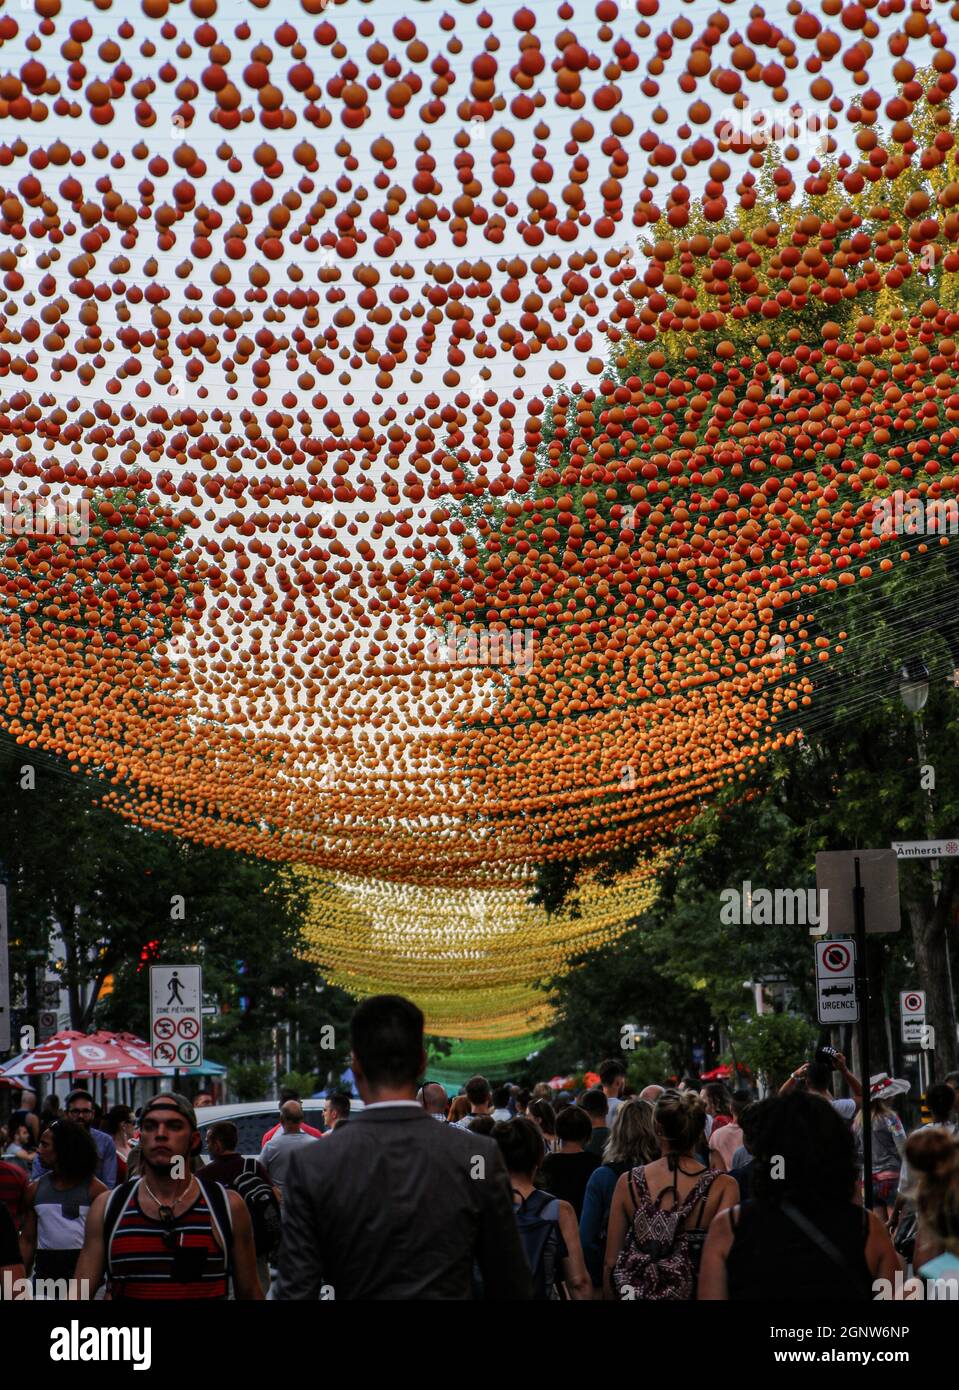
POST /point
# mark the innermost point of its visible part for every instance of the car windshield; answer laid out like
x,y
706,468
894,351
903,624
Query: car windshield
x,y
252,1127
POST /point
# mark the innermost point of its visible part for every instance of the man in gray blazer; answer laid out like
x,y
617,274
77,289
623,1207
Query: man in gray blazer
x,y
394,1205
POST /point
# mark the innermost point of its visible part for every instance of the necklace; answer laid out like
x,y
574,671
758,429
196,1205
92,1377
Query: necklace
x,y
165,1210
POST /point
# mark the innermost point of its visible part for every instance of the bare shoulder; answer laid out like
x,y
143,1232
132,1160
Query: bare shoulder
x,y
238,1207
722,1228
97,1208
622,1186
877,1229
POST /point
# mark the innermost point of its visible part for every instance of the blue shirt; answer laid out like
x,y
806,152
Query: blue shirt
x,y
942,1267
592,1223
106,1169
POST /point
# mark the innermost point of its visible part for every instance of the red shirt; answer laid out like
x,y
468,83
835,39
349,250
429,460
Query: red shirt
x,y
13,1184
307,1129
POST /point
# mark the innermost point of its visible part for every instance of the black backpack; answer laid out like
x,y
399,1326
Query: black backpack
x,y
537,1219
263,1207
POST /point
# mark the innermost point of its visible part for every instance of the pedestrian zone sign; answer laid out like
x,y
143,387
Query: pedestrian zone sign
x,y
176,1017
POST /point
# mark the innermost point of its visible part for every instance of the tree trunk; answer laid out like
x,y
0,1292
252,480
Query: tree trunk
x,y
930,945
72,973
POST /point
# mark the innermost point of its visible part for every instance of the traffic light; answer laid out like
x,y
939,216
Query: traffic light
x,y
148,953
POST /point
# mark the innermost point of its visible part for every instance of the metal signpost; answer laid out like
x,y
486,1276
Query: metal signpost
x,y
5,1029
847,875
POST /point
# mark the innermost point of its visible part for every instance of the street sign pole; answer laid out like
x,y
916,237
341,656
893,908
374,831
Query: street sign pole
x,y
862,971
5,1027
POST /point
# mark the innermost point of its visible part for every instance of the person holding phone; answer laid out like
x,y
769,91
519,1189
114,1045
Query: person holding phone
x,y
817,1076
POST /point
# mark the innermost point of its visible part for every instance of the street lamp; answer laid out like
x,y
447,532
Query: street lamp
x,y
914,692
914,685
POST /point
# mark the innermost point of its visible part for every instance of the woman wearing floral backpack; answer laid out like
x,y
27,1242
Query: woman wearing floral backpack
x,y
661,1211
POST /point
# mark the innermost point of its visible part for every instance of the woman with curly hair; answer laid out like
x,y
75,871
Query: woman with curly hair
x,y
933,1154
57,1204
802,1236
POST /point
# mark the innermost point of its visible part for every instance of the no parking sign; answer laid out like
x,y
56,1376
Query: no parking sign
x,y
836,981
912,1013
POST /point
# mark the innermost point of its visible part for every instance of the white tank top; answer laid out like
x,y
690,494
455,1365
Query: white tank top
x,y
61,1216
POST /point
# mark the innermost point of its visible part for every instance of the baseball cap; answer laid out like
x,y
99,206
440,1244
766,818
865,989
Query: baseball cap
x,y
171,1100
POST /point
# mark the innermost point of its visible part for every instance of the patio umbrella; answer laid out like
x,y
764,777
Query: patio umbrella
x,y
62,1038
70,1052
135,1052
722,1073
141,1051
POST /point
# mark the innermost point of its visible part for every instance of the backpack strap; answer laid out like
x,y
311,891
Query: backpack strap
x,y
117,1203
814,1234
699,1195
218,1201
540,1203
634,1195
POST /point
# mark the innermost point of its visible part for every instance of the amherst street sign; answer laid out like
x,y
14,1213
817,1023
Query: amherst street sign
x,y
926,849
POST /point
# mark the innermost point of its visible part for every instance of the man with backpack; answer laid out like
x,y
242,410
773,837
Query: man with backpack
x,y
164,1234
249,1178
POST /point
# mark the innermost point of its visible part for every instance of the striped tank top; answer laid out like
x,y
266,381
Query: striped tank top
x,y
143,1265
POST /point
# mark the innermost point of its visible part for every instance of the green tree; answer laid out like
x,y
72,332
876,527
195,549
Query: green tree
x,y
771,1045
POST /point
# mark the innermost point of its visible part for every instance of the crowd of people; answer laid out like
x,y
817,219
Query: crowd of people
x,y
683,1191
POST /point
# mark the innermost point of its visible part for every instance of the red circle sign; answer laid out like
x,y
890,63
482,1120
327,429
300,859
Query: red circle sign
x,y
188,1027
836,957
912,1003
164,1053
164,1028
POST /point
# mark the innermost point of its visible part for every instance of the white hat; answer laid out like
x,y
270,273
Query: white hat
x,y
882,1086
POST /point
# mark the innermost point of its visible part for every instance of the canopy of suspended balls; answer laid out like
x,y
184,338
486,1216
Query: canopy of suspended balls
x,y
426,440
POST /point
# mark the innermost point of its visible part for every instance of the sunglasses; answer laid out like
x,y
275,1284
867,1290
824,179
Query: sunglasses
x,y
168,1220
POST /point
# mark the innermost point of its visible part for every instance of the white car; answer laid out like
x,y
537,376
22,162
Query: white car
x,y
253,1118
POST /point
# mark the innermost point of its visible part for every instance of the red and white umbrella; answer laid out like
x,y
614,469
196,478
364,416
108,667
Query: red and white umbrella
x,y
69,1052
135,1049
